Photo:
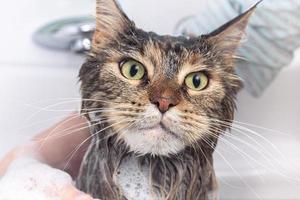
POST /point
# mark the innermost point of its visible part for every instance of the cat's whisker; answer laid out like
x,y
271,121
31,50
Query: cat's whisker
x,y
269,154
50,135
70,110
72,154
259,151
260,127
266,154
45,120
102,139
66,121
230,122
86,140
228,125
75,116
69,100
246,157
53,130
261,137
240,127
234,170
220,178
66,101
61,135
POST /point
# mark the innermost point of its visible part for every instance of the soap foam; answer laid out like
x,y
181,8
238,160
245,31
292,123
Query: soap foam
x,y
28,179
134,180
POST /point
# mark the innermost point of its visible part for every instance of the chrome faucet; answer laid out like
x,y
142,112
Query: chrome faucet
x,y
71,34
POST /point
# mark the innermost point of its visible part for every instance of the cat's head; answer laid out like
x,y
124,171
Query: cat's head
x,y
160,94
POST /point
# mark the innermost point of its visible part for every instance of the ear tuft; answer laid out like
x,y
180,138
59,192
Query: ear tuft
x,y
227,38
110,21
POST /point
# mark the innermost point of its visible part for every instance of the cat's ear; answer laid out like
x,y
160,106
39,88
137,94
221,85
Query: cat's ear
x,y
110,21
227,38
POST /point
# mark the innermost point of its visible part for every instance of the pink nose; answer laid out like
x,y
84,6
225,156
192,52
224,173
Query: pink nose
x,y
164,104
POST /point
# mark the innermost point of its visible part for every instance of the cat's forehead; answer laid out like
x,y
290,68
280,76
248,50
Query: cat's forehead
x,y
171,53
173,43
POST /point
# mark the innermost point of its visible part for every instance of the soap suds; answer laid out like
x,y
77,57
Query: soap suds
x,y
133,180
28,179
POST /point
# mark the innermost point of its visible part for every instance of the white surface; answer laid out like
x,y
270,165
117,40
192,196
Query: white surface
x,y
20,19
31,77
26,89
269,167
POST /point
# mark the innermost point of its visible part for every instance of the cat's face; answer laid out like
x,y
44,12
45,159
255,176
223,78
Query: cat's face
x,y
160,94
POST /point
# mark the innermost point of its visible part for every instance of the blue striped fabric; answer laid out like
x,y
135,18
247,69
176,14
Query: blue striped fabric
x,y
272,36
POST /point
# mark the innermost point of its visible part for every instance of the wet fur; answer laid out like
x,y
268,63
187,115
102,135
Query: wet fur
x,y
187,174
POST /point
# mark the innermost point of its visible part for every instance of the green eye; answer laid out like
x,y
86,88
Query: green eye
x,y
196,81
132,70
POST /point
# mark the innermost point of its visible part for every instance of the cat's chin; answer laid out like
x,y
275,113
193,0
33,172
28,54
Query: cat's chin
x,y
156,140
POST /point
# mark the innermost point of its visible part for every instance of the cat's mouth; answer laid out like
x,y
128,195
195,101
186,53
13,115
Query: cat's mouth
x,y
159,129
156,136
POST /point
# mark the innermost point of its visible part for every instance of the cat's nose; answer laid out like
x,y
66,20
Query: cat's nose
x,y
164,104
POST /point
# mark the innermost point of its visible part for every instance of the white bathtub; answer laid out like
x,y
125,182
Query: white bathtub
x,y
26,88
272,175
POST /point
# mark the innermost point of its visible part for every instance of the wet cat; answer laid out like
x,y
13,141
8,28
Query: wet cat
x,y
156,105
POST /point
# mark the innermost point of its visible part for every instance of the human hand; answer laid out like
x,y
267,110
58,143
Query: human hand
x,y
25,178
